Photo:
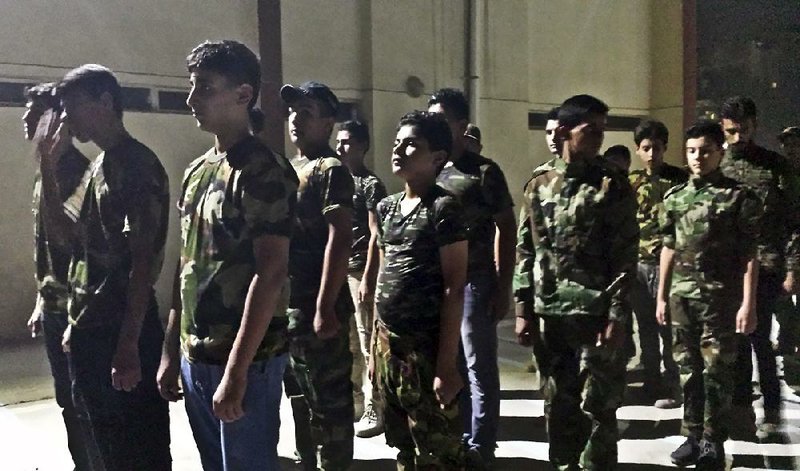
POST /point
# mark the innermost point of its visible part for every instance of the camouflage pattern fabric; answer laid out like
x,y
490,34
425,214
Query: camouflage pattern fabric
x,y
583,241
51,259
705,348
325,185
228,201
127,197
650,190
481,187
712,223
368,192
769,176
410,285
583,385
427,436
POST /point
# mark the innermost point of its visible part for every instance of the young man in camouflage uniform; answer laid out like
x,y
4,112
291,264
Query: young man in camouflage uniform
x,y
481,187
320,306
231,286
52,253
768,175
651,184
708,270
115,335
352,143
584,237
420,300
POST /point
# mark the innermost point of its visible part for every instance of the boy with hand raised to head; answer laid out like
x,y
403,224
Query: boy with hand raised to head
x,y
230,292
419,301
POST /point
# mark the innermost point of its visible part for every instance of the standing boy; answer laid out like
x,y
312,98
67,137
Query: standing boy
x,y
420,300
708,271
320,306
582,216
352,143
115,335
231,286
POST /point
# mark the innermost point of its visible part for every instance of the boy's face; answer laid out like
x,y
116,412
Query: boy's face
x,y
82,113
585,139
457,126
651,152
30,118
348,148
791,148
739,134
550,135
703,155
215,101
307,128
412,158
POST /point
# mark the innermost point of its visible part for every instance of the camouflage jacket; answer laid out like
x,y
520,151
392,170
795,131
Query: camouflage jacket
x,y
325,185
52,260
410,284
481,187
578,249
768,175
650,191
127,197
712,223
228,200
368,192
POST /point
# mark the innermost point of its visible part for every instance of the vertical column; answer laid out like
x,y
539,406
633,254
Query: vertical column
x,y
270,50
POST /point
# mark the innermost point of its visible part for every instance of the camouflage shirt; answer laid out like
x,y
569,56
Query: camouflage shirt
x,y
650,191
52,260
229,200
768,175
369,191
325,185
712,224
127,197
581,245
410,284
481,188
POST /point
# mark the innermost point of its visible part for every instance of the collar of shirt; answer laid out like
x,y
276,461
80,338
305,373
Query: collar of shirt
x,y
702,181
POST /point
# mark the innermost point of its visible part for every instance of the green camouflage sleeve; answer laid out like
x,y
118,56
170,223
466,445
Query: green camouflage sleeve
x,y
523,272
791,200
268,197
338,188
146,203
750,212
624,251
449,221
375,191
666,223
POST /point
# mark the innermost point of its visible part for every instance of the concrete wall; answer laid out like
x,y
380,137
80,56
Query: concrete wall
x,y
528,56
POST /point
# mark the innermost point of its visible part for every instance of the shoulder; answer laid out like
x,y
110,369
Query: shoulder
x,y
673,173
675,190
442,200
386,203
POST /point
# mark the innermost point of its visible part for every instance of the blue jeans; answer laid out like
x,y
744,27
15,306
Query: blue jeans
x,y
480,400
248,443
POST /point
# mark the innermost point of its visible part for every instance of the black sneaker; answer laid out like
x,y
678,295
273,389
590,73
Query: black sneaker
x,y
686,454
712,456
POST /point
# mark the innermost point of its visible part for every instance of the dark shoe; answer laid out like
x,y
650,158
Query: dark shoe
x,y
712,456
743,423
686,454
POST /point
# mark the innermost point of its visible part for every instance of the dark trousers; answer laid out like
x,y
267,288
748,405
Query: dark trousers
x,y
770,287
130,429
643,300
79,439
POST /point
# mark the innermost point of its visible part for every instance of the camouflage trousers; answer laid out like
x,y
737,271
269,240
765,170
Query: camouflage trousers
x,y
428,437
318,385
705,348
583,385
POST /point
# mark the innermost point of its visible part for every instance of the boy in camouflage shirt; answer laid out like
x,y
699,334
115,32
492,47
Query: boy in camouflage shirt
x,y
419,301
708,270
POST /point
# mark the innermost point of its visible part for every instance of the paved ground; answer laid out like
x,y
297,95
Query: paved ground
x,y
32,436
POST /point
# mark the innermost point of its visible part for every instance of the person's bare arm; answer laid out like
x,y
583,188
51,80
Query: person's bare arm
x,y
746,315
366,289
334,270
169,369
272,258
505,259
665,265
448,381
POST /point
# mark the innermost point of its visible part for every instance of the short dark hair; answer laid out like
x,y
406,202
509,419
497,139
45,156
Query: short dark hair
x,y
94,80
651,129
433,127
738,109
357,129
231,59
552,115
452,100
618,150
43,94
708,129
577,109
